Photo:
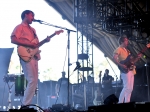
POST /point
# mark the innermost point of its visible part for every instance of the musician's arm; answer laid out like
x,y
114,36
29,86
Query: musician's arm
x,y
138,58
115,58
22,42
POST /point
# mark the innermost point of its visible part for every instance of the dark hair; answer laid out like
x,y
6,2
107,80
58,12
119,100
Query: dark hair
x,y
63,73
107,70
26,12
121,39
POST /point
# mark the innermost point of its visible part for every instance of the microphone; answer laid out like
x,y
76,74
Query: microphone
x,y
77,66
70,64
35,20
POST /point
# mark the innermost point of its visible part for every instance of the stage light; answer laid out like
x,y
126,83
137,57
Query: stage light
x,y
13,107
19,106
4,107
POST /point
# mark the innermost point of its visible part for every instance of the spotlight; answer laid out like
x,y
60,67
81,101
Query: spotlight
x,y
4,107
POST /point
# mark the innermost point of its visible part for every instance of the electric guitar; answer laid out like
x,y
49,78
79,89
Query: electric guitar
x,y
27,53
130,61
98,100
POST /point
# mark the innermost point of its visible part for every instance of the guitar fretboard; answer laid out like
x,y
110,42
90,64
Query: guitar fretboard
x,y
44,41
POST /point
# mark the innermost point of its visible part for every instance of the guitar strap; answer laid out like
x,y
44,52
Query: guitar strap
x,y
126,50
35,36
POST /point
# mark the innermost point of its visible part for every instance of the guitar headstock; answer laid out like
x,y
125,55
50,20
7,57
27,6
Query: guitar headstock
x,y
148,45
58,32
100,74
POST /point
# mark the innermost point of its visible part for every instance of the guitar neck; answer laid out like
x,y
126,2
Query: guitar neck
x,y
100,74
143,50
44,40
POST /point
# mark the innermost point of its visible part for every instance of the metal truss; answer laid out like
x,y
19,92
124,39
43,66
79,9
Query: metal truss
x,y
111,16
84,25
85,57
116,16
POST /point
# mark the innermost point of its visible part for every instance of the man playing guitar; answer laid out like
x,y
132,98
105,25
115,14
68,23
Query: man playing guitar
x,y
125,62
23,36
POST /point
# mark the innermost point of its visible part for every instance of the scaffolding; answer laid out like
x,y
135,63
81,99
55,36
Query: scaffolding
x,y
111,16
83,17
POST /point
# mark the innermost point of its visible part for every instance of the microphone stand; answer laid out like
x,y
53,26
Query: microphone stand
x,y
115,76
68,31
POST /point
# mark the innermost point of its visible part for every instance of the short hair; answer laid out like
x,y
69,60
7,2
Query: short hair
x,y
107,70
26,12
63,73
121,39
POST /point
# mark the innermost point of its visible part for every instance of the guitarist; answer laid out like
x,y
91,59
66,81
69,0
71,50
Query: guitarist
x,y
22,35
120,54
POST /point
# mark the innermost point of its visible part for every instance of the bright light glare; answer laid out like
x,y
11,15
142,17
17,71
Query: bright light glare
x,y
53,56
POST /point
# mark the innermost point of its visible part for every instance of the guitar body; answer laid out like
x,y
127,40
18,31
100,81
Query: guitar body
x,y
98,99
95,102
128,62
27,53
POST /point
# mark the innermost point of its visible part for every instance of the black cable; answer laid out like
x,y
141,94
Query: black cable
x,y
21,72
65,58
111,67
20,100
39,93
10,92
58,92
61,79
25,106
115,75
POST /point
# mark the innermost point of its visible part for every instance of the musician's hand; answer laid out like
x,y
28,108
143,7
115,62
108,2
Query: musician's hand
x,y
139,55
47,39
124,66
34,45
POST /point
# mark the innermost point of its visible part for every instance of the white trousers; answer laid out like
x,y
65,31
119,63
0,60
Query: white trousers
x,y
30,70
128,81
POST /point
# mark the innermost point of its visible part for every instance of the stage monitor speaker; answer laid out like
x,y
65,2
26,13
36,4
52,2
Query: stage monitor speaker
x,y
51,100
60,108
111,99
